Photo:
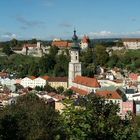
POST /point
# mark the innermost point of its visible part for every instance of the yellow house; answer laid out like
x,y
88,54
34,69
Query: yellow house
x,y
56,82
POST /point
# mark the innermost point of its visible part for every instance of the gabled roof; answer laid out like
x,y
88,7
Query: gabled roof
x,y
86,81
32,77
79,91
45,77
109,94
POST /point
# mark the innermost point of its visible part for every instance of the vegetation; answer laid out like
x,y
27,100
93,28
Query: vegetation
x,y
56,64
82,119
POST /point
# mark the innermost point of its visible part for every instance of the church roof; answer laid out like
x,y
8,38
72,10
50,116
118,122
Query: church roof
x,y
75,45
85,39
79,91
87,81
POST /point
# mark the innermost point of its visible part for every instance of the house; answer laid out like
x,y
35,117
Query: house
x,y
85,85
61,44
133,76
40,81
131,43
56,82
112,96
28,82
128,106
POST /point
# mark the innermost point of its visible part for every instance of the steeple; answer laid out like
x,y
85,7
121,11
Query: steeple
x,y
75,44
74,64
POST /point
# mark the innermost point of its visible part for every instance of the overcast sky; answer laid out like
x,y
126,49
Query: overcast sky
x,y
49,19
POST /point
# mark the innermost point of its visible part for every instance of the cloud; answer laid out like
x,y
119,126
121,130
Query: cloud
x,y
8,36
65,24
29,23
109,34
133,19
102,34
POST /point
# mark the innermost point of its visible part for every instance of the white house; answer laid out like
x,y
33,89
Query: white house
x,y
28,82
131,43
40,81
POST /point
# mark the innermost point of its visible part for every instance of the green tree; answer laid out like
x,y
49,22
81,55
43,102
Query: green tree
x,y
92,117
29,119
68,93
7,50
60,90
101,55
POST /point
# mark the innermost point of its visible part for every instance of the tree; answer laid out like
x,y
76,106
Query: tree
x,y
60,90
92,117
101,55
7,50
29,119
69,93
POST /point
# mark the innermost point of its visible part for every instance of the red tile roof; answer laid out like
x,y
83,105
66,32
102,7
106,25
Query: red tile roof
x,y
45,77
86,81
109,94
64,44
56,96
79,91
3,74
85,39
32,77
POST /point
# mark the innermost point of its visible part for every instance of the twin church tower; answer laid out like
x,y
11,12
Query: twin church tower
x,y
74,64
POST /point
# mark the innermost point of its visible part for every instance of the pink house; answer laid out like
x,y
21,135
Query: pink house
x,y
133,76
128,106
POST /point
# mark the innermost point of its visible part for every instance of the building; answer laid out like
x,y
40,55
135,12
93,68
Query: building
x,y
112,96
131,43
61,44
41,81
85,42
56,82
74,65
128,106
28,82
86,84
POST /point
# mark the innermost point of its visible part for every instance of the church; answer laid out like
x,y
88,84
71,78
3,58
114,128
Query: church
x,y
81,85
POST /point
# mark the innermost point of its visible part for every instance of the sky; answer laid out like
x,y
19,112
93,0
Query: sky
x,y
49,19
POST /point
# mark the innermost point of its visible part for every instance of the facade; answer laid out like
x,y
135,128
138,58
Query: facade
x,y
28,82
128,106
131,43
40,81
56,82
74,65
33,81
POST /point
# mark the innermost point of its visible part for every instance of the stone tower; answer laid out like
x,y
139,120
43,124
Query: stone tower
x,y
74,64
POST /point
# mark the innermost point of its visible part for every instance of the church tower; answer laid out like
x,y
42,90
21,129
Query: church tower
x,y
74,64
